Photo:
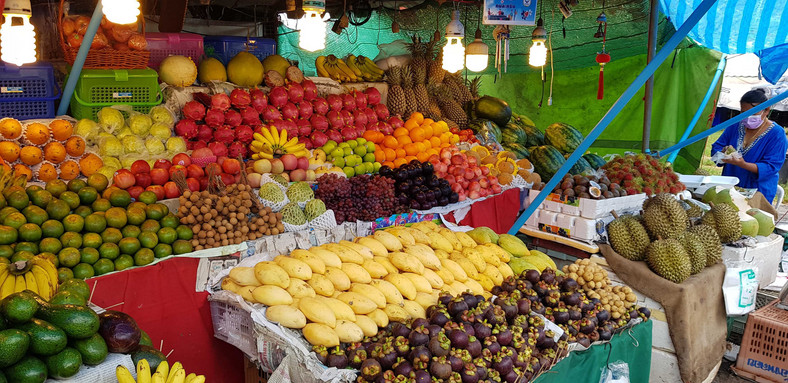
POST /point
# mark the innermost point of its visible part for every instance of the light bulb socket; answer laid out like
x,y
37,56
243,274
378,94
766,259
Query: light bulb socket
x,y
455,27
20,7
478,34
539,34
314,6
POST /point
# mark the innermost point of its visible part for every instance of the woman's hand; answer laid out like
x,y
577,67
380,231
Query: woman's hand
x,y
740,162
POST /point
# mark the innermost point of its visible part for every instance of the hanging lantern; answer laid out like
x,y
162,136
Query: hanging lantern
x,y
312,36
17,35
454,50
537,56
121,11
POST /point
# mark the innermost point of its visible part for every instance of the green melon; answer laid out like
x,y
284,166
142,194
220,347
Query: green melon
x,y
513,133
493,109
518,150
580,167
595,160
563,137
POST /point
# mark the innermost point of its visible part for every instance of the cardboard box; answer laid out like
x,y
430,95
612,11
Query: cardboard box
x,y
591,208
765,256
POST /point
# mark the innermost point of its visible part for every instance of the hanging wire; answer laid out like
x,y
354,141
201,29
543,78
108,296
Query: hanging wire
x,y
550,50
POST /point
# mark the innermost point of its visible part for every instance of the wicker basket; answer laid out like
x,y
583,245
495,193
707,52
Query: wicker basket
x,y
107,58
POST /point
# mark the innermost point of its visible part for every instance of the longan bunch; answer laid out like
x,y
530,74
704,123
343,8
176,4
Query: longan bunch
x,y
233,217
594,280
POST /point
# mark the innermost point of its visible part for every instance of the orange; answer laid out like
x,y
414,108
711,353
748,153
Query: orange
x,y
427,144
390,142
399,162
410,158
400,132
427,121
418,117
90,164
37,134
391,155
55,152
454,139
47,173
61,129
31,155
417,134
369,135
435,141
401,153
428,130
432,152
387,163
69,170
380,156
445,137
411,149
410,125
423,157
75,146
421,146
9,151
20,169
404,140
10,128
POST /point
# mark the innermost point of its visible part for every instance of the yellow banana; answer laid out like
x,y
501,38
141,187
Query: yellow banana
x,y
190,377
282,137
163,369
42,280
4,274
177,373
274,134
334,72
143,371
30,282
50,268
266,136
301,153
8,286
350,61
258,137
370,65
123,374
19,285
199,379
175,367
157,378
262,155
289,144
349,73
320,61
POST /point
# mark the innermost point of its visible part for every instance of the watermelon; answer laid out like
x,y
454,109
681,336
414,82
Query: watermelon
x,y
518,150
519,119
580,167
493,109
595,160
513,133
563,137
486,128
533,136
547,160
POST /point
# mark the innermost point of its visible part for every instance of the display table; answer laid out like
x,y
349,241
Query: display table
x,y
498,213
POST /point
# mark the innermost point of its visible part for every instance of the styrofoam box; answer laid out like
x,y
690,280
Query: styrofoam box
x,y
592,208
570,226
765,256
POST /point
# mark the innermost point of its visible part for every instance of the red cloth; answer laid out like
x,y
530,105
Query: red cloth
x,y
498,213
161,298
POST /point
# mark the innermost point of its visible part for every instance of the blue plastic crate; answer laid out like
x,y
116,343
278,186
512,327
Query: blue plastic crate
x,y
224,48
28,92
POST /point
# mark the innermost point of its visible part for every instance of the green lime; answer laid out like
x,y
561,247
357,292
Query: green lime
x,y
136,215
167,235
136,204
71,239
103,266
6,251
3,202
70,198
92,240
50,245
124,262
162,250
52,229
143,257
150,225
101,204
35,214
111,235
69,257
87,195
170,220
40,198
116,217
26,246
155,212
29,232
51,257
31,189
83,271
131,231
64,273
109,250
23,255
184,232
129,245
89,255
95,223
120,198
98,181
76,185
58,209
15,220
56,187
6,211
73,222
83,211
148,239
147,197
182,246
8,235
18,200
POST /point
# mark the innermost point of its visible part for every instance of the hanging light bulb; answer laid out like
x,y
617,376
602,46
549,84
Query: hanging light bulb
x,y
17,35
537,56
476,54
121,11
312,36
454,51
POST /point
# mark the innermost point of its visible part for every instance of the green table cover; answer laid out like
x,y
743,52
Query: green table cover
x,y
631,346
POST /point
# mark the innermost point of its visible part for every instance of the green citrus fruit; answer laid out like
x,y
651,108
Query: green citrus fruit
x,y
83,270
101,204
182,246
129,245
71,239
52,229
120,198
15,220
89,255
150,225
92,240
98,181
156,211
124,262
131,231
18,200
170,220
6,251
71,198
136,215
147,197
51,257
83,211
26,246
41,198
95,223
6,211
76,185
87,195
31,189
184,232
143,257
29,232
111,235
116,217
109,251
64,273
35,214
22,255
58,209
167,235
103,266
50,245
8,235
148,239
69,257
73,222
162,250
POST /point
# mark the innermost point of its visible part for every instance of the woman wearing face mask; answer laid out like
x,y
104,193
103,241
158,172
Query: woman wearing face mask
x,y
761,143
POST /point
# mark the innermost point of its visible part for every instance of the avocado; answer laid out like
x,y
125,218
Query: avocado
x,y
18,307
152,355
75,285
93,349
64,364
68,297
28,370
13,346
45,339
3,325
145,338
79,322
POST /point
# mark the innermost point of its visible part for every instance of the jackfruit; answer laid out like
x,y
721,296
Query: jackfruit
x,y
628,237
513,245
668,259
711,242
725,221
663,216
695,250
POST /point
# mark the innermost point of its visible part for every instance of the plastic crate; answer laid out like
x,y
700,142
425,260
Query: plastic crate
x,y
764,347
121,86
28,92
224,48
234,325
162,45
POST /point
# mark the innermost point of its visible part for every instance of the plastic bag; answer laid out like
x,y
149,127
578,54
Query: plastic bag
x,y
721,155
616,372
740,287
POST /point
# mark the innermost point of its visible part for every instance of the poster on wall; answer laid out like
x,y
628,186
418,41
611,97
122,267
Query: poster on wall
x,y
509,12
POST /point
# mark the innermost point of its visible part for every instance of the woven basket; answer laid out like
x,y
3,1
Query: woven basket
x,y
106,58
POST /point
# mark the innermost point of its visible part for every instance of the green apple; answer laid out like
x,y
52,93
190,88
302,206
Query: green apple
x,y
339,162
361,140
370,147
337,153
344,145
361,150
348,151
376,166
329,146
349,171
369,157
370,167
352,143
360,169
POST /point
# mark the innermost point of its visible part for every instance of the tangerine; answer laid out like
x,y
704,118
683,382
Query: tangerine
x,y
435,141
399,162
61,129
428,130
390,142
411,149
454,139
31,155
388,163
9,151
417,116
90,164
55,152
75,146
400,153
404,140
37,134
380,156
47,173
423,157
427,121
69,170
20,169
10,128
391,155
410,125
417,134
399,132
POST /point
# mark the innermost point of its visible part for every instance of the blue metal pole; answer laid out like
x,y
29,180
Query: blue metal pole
x,y
79,61
641,79
696,117
723,125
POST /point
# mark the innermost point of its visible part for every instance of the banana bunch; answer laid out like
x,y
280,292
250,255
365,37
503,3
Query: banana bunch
x,y
352,69
272,143
163,374
37,275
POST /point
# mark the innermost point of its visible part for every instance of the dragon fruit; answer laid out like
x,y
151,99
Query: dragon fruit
x,y
310,90
305,109
349,133
334,135
278,96
250,116
214,117
348,102
382,111
237,149
271,114
320,105
303,128
244,134
232,117
220,101
186,128
373,96
259,100
295,92
361,99
319,123
289,111
194,110
334,101
371,115
204,133
360,117
347,117
218,149
196,145
335,119
240,98
319,138
224,134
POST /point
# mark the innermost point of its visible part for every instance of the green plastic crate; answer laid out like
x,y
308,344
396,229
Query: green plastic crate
x,y
99,88
80,109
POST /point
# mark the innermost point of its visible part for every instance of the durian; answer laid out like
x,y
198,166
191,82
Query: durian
x,y
711,242
695,250
628,237
725,220
664,217
668,259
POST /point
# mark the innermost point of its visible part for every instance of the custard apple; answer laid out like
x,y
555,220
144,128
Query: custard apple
x,y
300,192
270,191
314,209
293,214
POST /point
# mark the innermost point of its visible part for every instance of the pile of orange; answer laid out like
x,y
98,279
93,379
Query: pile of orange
x,y
418,139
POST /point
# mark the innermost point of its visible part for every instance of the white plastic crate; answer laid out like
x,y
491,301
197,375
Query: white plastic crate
x,y
234,325
591,208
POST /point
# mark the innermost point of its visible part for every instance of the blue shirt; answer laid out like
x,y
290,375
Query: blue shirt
x,y
767,152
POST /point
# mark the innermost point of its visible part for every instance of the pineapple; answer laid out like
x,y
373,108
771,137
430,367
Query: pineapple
x,y
434,111
396,96
407,86
474,87
450,108
419,62
436,73
458,88
419,89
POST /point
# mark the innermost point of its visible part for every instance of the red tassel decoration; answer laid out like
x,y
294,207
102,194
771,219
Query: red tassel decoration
x,y
602,58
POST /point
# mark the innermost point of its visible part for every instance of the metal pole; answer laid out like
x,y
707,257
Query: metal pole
x,y
649,91
79,61
724,125
674,41
706,98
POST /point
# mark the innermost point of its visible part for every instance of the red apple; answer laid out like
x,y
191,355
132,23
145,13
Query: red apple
x,y
158,190
298,175
303,163
159,176
123,179
193,183
277,167
143,180
171,190
228,179
181,159
194,171
231,166
290,161
177,168
162,164
140,166
135,191
203,183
